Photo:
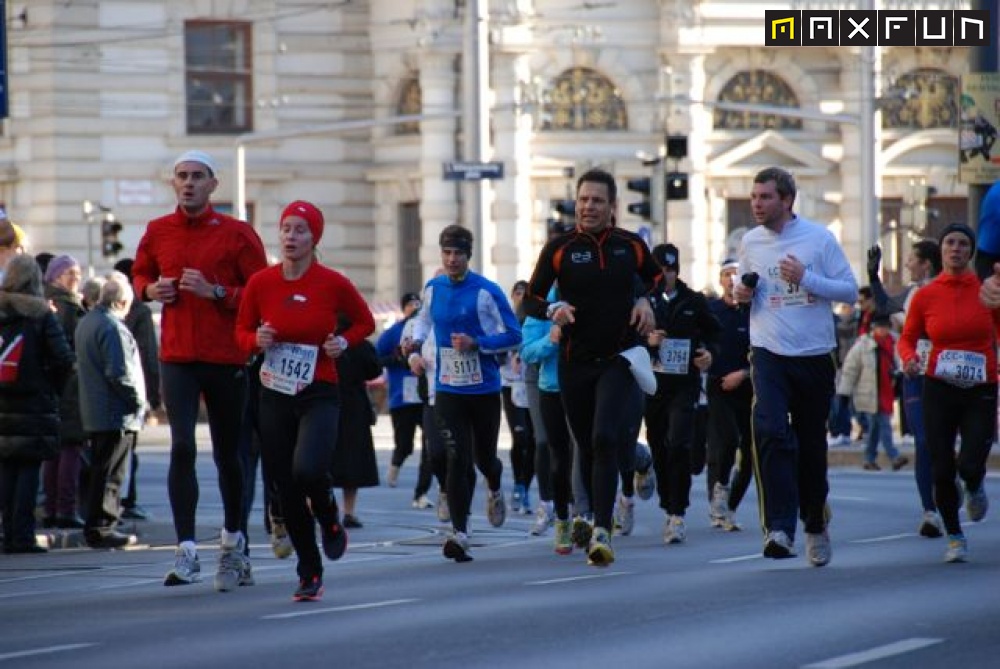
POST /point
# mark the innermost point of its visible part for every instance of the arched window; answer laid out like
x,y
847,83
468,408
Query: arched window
x,y
922,98
410,102
583,99
758,87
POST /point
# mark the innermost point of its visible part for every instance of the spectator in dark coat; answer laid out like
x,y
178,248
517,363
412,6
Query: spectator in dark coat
x,y
139,321
37,360
62,475
112,406
353,465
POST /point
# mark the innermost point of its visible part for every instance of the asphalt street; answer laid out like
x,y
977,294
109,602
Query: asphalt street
x,y
886,600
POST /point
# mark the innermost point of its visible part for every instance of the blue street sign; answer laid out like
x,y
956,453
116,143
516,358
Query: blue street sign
x,y
470,171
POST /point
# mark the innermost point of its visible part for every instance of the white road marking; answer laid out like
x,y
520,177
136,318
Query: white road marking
x,y
878,540
738,558
573,579
872,654
338,609
48,650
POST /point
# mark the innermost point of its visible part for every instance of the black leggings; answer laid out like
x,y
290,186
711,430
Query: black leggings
x,y
670,415
405,420
222,386
598,398
543,466
433,457
560,450
522,449
729,432
469,426
948,412
298,434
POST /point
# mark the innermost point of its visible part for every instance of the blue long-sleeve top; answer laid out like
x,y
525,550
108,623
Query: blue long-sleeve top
x,y
537,348
477,307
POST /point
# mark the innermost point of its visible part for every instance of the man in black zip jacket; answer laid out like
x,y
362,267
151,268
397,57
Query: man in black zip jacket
x,y
682,345
596,266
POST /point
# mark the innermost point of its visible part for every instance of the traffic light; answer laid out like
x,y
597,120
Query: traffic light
x,y
563,217
644,208
924,216
677,185
110,228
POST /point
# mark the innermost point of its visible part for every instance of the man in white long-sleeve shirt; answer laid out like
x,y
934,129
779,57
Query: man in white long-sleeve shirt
x,y
802,270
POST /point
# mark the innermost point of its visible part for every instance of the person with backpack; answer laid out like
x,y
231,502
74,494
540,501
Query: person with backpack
x,y
35,363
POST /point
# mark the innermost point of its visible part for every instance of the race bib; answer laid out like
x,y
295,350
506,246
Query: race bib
x,y
410,393
459,368
675,355
288,368
784,295
961,368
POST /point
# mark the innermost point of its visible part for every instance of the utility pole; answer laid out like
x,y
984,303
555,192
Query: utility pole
x,y
475,120
870,188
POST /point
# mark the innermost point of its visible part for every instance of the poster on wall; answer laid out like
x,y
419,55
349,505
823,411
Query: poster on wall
x,y
978,158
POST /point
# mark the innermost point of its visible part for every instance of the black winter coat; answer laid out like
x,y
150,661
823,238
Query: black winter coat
x,y
69,311
31,380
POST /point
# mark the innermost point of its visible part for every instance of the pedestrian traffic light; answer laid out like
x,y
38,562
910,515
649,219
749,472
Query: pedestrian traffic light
x,y
644,208
110,228
563,216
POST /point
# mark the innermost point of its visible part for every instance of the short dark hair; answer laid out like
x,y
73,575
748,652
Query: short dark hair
x,y
456,237
599,176
783,180
865,291
928,250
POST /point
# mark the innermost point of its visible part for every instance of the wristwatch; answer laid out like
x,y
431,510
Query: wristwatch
x,y
219,291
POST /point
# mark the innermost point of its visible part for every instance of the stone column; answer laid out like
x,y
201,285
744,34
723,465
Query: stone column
x,y
512,208
438,198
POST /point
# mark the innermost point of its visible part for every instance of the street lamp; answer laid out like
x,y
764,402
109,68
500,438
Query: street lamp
x,y
88,223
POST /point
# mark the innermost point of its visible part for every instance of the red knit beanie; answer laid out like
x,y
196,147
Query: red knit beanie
x,y
310,214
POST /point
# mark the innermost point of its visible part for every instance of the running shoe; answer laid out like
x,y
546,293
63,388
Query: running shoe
x,y
516,498
719,504
674,530
187,568
625,515
392,478
281,544
930,525
334,540
582,531
543,519
443,513
456,547
564,537
818,548
976,503
496,509
234,567
958,548
729,523
422,502
599,552
778,546
310,590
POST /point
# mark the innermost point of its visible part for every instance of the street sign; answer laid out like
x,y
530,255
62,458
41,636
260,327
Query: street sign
x,y
471,171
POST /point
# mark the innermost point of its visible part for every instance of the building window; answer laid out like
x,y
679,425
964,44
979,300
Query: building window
x,y
924,98
583,99
411,274
758,87
218,66
411,101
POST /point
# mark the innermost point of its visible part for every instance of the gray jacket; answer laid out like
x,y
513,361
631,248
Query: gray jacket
x,y
112,387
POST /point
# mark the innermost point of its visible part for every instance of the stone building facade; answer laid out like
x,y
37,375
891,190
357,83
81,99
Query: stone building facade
x,y
105,93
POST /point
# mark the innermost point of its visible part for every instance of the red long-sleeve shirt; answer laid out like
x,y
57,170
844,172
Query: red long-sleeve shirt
x,y
947,311
303,311
228,252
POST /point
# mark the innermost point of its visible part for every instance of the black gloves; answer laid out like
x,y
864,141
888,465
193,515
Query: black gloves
x,y
874,261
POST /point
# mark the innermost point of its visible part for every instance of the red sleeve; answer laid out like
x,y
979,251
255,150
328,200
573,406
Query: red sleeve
x,y
252,259
357,311
248,318
144,268
914,327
